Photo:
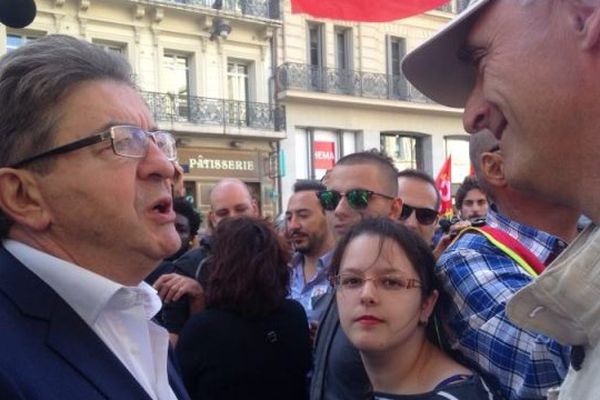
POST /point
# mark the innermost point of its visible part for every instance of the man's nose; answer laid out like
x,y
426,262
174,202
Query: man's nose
x,y
477,111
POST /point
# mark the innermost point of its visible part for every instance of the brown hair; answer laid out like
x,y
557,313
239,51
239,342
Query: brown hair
x,y
249,272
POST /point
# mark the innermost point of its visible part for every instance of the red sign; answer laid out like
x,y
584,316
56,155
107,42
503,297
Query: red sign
x,y
324,155
444,186
364,10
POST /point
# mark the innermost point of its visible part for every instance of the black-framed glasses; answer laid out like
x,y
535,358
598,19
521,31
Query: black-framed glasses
x,y
358,199
352,282
127,141
425,216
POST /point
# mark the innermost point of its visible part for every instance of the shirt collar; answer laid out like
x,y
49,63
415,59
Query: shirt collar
x,y
323,261
85,291
542,244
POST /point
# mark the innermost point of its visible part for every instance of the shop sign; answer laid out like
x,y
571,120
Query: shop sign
x,y
219,163
324,153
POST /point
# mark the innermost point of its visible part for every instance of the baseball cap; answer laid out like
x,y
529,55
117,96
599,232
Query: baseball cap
x,y
434,67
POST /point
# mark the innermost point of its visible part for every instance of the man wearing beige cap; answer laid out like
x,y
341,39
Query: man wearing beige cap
x,y
528,71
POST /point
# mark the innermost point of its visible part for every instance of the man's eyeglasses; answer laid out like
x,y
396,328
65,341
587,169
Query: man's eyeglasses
x,y
127,141
425,216
358,199
351,282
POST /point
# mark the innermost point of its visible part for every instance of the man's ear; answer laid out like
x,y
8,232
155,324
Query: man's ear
x,y
396,208
21,199
492,168
586,16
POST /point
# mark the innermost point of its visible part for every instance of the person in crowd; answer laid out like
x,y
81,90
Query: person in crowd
x,y
86,215
480,274
386,295
494,57
359,186
309,233
187,222
420,202
250,342
471,201
182,291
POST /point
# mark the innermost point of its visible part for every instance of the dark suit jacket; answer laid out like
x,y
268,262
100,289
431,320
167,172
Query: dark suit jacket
x,y
48,352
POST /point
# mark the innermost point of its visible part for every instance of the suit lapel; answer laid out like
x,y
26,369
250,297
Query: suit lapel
x,y
68,335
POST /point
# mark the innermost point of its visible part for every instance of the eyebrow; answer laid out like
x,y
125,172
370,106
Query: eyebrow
x,y
387,270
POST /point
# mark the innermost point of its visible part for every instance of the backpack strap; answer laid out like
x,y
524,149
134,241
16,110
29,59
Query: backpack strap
x,y
511,247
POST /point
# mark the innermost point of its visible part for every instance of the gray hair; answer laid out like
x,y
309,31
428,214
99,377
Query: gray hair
x,y
33,80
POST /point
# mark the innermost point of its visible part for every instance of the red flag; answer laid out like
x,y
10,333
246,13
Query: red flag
x,y
444,185
364,10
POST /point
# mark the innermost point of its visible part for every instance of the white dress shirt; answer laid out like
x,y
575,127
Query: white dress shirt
x,y
119,315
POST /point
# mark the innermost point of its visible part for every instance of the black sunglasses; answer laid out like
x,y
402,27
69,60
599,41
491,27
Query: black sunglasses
x,y
358,199
425,216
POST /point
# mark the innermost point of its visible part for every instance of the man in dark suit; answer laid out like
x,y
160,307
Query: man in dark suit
x,y
85,214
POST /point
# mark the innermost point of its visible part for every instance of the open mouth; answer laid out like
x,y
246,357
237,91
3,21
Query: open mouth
x,y
162,206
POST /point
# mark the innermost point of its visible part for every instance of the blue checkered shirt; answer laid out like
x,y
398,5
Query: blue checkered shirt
x,y
479,279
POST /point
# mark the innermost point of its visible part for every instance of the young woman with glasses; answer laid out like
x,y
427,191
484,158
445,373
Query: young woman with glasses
x,y
386,295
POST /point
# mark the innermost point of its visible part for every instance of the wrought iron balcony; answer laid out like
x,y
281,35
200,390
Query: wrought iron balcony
x,y
353,83
256,8
210,111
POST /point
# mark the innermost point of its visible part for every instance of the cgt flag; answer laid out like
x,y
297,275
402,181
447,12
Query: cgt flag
x,y
444,185
364,10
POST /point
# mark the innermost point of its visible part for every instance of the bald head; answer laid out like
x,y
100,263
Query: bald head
x,y
231,197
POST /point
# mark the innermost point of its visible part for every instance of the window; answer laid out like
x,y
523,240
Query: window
x,y
118,48
343,61
325,150
396,52
458,148
343,46
237,87
14,41
176,81
315,56
406,151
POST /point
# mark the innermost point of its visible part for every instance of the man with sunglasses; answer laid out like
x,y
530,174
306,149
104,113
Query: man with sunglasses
x,y
85,214
360,185
420,202
480,276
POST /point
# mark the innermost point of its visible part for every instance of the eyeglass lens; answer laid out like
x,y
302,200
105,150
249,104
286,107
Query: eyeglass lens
x,y
129,141
357,198
425,216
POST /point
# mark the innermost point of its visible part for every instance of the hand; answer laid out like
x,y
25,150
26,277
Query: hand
x,y
447,238
171,287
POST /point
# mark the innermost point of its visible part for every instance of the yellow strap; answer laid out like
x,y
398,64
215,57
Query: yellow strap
x,y
509,252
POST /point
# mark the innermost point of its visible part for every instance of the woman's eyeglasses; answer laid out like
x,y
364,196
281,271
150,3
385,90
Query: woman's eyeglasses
x,y
358,199
351,282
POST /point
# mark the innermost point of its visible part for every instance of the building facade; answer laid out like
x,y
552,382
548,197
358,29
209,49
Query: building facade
x,y
343,91
204,68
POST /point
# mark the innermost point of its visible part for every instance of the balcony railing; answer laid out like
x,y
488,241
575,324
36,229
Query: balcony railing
x,y
219,112
353,83
256,8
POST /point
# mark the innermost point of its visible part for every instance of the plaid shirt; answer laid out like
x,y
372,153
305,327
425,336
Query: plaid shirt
x,y
479,279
